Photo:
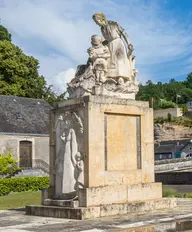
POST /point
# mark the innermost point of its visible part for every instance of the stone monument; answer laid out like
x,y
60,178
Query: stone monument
x,y
110,69
101,139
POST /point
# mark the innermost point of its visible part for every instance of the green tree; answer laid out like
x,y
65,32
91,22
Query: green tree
x,y
164,104
169,117
7,164
172,80
167,92
184,109
4,34
19,74
189,81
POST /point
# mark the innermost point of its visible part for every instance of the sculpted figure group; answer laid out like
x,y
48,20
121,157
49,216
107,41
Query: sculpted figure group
x,y
110,69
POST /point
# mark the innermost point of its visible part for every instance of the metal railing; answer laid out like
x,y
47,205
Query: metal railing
x,y
41,164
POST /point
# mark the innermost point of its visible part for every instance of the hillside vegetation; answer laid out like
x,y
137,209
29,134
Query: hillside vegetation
x,y
165,95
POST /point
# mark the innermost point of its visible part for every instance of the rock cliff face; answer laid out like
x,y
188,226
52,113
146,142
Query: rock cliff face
x,y
171,132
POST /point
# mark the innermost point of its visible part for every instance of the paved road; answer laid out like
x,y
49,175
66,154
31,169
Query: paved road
x,y
17,221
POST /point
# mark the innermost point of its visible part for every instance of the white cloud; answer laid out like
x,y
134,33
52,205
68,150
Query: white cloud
x,y
60,81
58,33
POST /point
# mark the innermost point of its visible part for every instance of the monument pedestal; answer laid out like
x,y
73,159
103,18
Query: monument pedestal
x,y
113,172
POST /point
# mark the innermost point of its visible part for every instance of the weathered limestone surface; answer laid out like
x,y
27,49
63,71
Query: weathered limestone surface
x,y
101,142
110,68
95,196
115,171
83,213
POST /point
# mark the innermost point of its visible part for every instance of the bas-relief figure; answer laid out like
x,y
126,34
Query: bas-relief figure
x,y
110,69
69,163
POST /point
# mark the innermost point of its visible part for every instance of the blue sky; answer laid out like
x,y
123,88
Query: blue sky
x,y
57,33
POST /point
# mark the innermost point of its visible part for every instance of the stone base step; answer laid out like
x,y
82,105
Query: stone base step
x,y
61,203
82,213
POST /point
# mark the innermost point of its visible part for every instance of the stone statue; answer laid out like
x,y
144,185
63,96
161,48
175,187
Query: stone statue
x,y
99,55
112,33
69,160
110,69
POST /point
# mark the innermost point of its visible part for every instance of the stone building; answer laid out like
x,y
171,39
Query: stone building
x,y
189,104
24,129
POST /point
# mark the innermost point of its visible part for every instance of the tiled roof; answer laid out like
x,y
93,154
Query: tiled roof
x,y
165,148
24,115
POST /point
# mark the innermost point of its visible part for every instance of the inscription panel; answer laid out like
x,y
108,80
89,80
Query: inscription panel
x,y
121,142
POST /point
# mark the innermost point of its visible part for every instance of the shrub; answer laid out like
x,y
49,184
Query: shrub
x,y
4,190
173,120
164,104
169,192
184,109
169,117
8,185
8,165
188,195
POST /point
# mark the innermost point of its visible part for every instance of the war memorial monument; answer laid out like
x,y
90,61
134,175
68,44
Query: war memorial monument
x,y
101,139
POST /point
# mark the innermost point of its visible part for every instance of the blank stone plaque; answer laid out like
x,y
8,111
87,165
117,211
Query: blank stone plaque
x,y
121,147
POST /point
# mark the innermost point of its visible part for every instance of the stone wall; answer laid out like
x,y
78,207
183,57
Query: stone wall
x,y
189,104
40,145
176,112
173,165
42,148
177,178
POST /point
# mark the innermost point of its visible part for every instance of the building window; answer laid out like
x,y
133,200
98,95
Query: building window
x,y
189,155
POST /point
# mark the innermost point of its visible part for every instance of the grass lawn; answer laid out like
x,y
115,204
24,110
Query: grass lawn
x,y
19,200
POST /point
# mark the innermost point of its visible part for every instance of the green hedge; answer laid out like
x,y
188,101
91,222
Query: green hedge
x,y
8,185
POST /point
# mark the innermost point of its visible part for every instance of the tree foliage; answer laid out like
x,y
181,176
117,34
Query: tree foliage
x,y
165,94
19,73
7,164
4,34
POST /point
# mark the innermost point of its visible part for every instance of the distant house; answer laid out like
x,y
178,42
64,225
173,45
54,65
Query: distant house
x,y
173,149
24,129
189,104
164,152
187,150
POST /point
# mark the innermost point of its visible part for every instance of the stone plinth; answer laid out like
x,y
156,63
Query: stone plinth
x,y
113,168
82,213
